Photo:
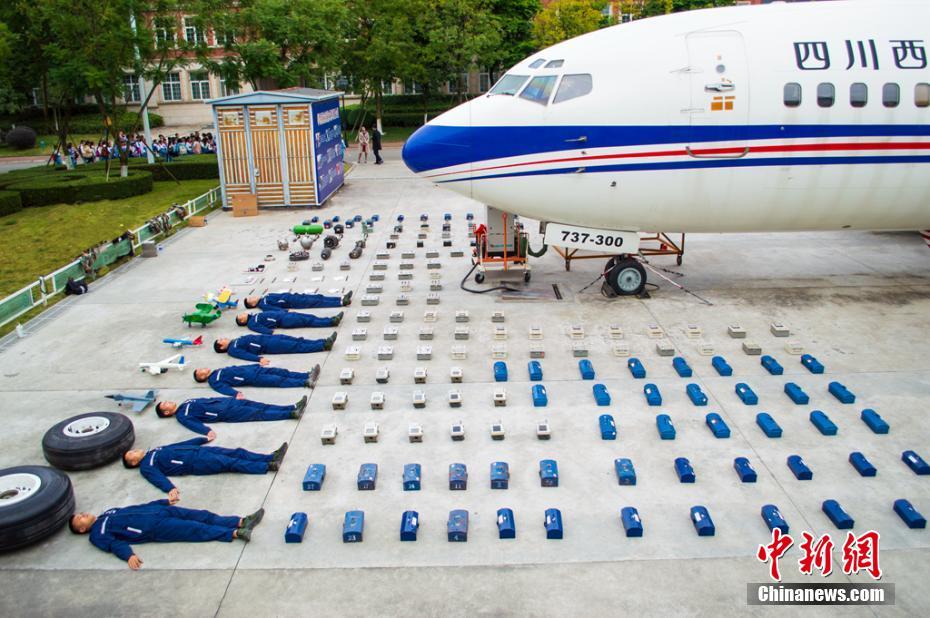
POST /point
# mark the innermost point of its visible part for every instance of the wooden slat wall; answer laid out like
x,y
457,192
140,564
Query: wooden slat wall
x,y
231,123
298,134
266,154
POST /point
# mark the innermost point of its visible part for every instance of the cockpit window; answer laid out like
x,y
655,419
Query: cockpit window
x,y
572,87
539,89
537,63
555,64
509,84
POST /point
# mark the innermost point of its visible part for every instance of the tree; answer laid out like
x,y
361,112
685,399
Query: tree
x,y
281,43
566,19
10,99
515,24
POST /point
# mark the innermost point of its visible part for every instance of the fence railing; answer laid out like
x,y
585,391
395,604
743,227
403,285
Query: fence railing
x,y
44,288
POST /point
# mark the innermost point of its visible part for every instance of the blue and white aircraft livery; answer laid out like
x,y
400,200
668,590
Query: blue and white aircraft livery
x,y
780,117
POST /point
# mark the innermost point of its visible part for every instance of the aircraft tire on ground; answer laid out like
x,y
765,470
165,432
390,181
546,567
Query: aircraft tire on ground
x,y
88,440
627,277
35,502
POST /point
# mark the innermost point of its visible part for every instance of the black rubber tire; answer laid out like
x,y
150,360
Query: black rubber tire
x,y
479,278
526,277
627,277
83,453
40,515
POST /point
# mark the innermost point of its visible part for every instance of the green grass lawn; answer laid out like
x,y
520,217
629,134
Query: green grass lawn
x,y
38,240
391,134
45,144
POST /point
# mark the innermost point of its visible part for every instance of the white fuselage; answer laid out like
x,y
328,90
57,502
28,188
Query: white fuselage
x,y
690,124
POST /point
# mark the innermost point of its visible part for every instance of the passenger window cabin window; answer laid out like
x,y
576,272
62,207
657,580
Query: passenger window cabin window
x,y
891,95
922,95
537,63
826,94
555,64
858,94
572,87
509,84
792,94
539,89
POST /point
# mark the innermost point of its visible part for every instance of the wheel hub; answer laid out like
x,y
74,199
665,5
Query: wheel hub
x,y
87,426
18,487
629,279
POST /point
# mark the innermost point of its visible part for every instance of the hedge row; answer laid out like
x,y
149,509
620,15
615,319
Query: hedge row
x,y
187,167
71,187
91,124
391,119
10,202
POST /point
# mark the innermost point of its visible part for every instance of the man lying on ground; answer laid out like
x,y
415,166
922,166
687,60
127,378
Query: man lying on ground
x,y
192,413
191,457
159,522
254,347
265,322
226,379
293,300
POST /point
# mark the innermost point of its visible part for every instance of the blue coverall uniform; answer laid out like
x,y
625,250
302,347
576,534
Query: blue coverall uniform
x,y
157,522
253,347
287,300
266,321
191,457
193,412
224,380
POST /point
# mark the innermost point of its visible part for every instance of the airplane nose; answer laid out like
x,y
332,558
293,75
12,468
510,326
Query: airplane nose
x,y
443,142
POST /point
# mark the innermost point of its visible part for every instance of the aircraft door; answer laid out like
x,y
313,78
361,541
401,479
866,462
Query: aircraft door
x,y
719,86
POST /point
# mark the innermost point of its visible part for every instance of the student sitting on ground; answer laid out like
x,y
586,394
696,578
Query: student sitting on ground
x,y
191,457
254,347
193,413
288,300
265,322
159,522
224,380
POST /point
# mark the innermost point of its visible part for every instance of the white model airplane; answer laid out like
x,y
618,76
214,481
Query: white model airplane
x,y
172,362
780,117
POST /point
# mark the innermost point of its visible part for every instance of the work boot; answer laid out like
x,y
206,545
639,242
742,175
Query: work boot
x,y
313,377
299,407
244,534
278,455
329,341
336,319
250,521
347,299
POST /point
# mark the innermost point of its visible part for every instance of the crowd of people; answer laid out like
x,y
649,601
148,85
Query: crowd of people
x,y
164,148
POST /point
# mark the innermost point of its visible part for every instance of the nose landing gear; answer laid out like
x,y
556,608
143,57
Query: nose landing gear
x,y
625,276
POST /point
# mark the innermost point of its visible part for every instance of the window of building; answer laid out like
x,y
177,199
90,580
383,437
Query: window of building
x,y
412,87
537,63
922,95
858,94
225,90
555,64
171,87
572,87
509,84
484,82
192,33
792,94
164,32
826,94
131,92
200,85
891,95
224,38
539,89
37,98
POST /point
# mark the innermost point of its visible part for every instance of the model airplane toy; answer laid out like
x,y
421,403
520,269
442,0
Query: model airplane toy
x,y
222,299
172,362
183,341
138,403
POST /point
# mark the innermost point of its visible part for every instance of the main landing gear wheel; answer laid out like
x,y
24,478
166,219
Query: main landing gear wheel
x,y
35,502
626,276
88,440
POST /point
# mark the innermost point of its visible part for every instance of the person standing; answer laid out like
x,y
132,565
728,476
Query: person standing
x,y
363,138
376,144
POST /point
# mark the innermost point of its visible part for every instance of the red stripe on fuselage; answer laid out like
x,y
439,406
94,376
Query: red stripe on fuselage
x,y
847,147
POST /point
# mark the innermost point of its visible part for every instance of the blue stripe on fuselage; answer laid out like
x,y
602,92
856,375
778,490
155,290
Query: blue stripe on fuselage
x,y
707,164
436,146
